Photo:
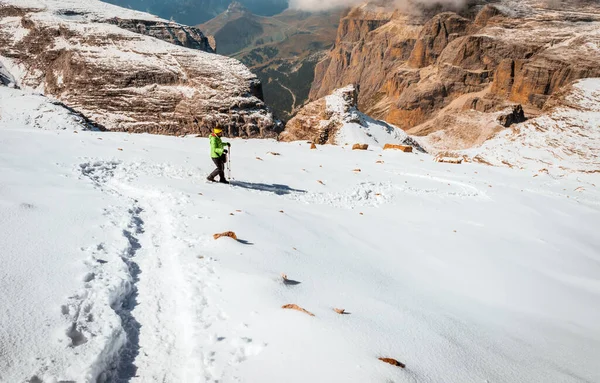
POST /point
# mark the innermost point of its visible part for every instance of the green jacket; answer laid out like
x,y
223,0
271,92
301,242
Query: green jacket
x,y
216,146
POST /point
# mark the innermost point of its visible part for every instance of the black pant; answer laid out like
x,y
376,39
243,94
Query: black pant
x,y
220,170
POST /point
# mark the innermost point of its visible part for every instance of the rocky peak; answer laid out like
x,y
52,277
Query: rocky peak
x,y
335,119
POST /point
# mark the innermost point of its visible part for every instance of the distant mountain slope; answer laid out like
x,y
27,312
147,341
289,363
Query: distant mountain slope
x,y
238,28
198,11
281,50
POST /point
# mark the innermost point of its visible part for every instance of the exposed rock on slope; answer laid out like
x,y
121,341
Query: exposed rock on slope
x,y
335,119
129,71
565,139
411,68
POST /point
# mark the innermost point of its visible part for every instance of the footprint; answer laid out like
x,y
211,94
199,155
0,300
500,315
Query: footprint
x,y
76,336
244,348
89,277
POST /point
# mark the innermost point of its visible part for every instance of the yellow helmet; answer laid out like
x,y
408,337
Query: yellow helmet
x,y
218,130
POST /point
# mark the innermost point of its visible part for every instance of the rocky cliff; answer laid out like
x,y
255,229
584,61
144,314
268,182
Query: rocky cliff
x,y
412,69
129,71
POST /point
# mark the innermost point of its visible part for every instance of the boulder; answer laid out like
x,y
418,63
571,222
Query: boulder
x,y
404,148
229,234
393,362
513,115
297,308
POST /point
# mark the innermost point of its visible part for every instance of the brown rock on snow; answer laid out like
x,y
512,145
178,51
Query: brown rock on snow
x,y
313,146
229,234
393,362
403,148
513,115
360,147
298,308
449,160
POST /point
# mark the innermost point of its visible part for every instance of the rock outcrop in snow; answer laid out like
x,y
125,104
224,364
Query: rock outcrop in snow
x,y
335,119
566,139
129,71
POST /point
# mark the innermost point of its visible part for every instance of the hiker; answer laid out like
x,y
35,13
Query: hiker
x,y
218,153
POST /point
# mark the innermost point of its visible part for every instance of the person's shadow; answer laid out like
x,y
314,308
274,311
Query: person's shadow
x,y
275,188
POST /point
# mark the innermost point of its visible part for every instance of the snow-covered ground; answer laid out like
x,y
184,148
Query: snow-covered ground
x,y
465,273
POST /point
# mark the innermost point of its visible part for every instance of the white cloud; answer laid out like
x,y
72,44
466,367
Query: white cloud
x,y
321,5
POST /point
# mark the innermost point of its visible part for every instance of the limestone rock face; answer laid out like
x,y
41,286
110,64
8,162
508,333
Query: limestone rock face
x,y
129,71
435,36
371,41
185,36
306,124
411,68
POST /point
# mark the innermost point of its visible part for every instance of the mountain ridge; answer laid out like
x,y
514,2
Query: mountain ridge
x,y
130,71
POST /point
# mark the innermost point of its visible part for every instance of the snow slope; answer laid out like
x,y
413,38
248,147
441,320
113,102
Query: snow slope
x,y
566,139
465,273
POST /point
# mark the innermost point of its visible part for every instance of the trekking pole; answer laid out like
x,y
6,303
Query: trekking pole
x,y
229,165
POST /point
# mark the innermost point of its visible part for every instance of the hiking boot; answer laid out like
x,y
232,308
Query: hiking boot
x,y
209,179
224,182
